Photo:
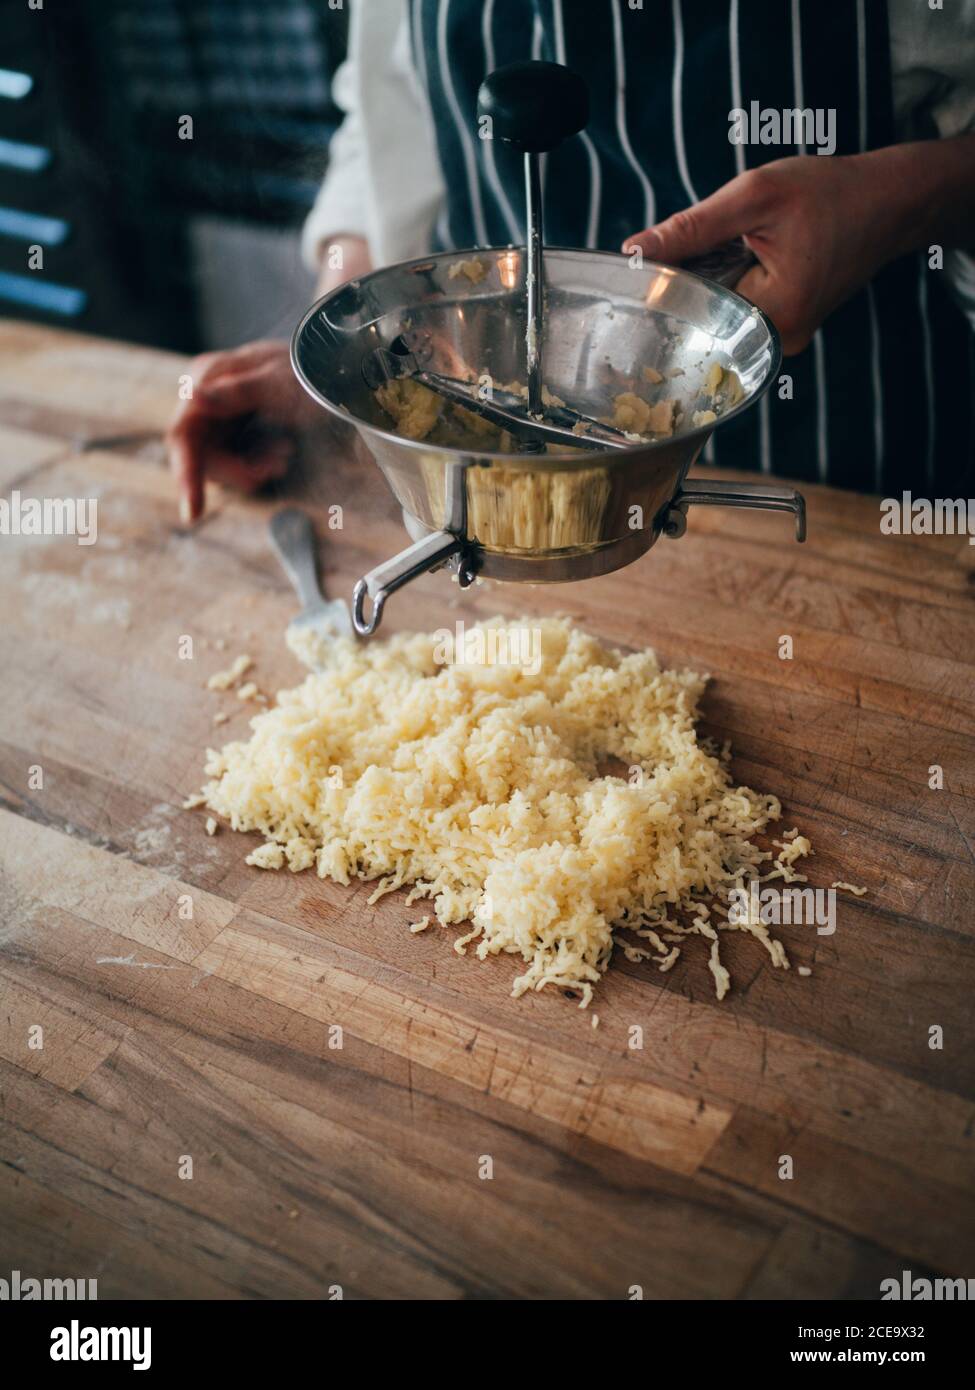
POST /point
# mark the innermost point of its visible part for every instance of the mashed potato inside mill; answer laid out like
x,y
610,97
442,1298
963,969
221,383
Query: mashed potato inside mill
x,y
419,413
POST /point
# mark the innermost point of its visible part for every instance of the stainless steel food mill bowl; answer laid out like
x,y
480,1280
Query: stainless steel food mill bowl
x,y
555,516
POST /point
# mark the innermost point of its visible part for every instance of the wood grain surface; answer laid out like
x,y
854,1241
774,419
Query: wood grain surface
x,y
360,1166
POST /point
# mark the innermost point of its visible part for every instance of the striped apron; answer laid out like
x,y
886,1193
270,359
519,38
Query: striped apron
x,y
882,399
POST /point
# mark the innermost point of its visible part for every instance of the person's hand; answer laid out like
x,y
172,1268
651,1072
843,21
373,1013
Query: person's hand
x,y
820,227
239,425
242,424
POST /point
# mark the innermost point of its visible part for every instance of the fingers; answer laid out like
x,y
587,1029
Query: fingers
x,y
192,445
196,455
210,365
213,366
758,206
186,466
254,472
768,294
754,286
728,213
260,388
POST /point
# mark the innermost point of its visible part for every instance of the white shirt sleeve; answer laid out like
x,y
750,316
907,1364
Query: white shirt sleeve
x,y
932,54
343,197
932,57
383,181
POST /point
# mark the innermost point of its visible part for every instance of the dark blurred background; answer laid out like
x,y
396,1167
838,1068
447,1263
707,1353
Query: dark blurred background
x,y
185,244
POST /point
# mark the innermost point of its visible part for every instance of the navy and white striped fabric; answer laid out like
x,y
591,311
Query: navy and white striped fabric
x,y
883,396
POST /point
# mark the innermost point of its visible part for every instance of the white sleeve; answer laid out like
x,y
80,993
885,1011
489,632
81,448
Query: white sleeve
x,y
932,58
933,68
342,201
383,180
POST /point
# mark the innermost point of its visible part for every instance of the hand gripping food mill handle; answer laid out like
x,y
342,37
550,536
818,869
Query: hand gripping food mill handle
x,y
725,265
533,106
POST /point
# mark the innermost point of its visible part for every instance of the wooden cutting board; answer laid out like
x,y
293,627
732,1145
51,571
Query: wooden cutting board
x,y
366,1166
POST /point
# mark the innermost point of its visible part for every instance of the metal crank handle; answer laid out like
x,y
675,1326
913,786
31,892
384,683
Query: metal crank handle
x,y
556,427
426,554
714,492
516,425
534,106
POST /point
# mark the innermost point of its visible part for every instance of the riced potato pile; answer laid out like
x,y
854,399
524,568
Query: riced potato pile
x,y
476,773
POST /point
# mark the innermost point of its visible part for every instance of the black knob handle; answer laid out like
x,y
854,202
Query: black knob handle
x,y
534,106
